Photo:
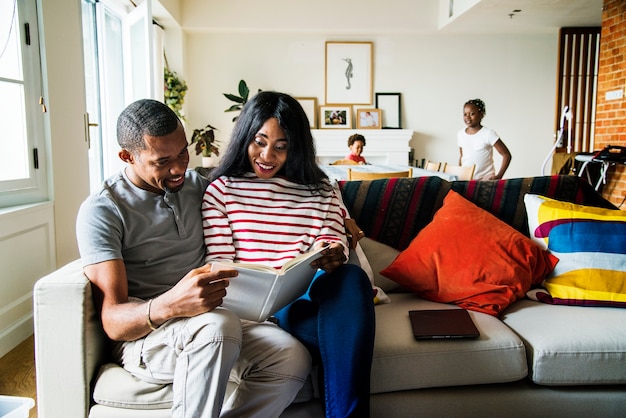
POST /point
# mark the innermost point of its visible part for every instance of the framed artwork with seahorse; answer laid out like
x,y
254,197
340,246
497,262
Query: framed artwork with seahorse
x,y
349,73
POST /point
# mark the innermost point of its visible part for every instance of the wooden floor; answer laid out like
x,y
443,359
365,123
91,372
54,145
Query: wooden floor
x,y
17,373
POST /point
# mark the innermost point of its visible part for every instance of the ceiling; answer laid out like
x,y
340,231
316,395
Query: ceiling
x,y
397,16
535,16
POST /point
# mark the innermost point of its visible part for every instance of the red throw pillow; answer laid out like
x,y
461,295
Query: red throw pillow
x,y
468,257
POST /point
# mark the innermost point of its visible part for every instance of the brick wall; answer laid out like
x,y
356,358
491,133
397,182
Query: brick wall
x,y
611,114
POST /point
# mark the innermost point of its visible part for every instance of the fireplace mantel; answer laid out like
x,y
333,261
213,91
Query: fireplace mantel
x,y
383,146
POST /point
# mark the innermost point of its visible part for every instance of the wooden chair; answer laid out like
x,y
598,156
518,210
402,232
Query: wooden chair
x,y
365,175
463,173
344,162
432,166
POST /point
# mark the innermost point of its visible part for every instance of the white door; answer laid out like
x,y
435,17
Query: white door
x,y
122,64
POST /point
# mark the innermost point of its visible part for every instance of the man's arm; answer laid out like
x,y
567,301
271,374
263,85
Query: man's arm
x,y
123,320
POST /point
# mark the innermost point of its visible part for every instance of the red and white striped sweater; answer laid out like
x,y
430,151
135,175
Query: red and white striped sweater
x,y
268,221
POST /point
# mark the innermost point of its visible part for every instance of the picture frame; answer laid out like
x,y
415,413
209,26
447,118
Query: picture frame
x,y
368,118
309,104
335,117
390,104
348,73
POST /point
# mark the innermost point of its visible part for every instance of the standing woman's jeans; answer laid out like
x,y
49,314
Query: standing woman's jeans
x,y
335,321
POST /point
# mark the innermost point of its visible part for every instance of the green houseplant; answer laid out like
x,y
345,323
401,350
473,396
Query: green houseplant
x,y
241,100
205,143
174,92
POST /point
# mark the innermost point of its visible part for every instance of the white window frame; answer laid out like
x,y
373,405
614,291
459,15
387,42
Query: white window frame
x,y
142,65
34,188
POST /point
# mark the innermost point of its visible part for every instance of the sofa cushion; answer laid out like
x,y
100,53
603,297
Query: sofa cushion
x,y
402,363
380,256
115,387
571,345
591,246
469,257
358,257
118,388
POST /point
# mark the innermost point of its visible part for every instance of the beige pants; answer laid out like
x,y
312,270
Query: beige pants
x,y
201,353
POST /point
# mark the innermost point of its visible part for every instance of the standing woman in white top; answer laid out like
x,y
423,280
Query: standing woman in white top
x,y
476,143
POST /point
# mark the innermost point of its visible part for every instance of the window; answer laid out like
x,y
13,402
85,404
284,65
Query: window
x,y
116,36
22,147
577,87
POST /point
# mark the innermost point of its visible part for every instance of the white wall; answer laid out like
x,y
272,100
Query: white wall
x,y
435,72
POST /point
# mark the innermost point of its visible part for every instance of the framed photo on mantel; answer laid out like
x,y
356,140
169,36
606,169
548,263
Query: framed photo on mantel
x,y
336,117
368,118
389,103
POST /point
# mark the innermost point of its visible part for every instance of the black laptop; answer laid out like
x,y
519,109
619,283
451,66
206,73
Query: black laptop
x,y
442,323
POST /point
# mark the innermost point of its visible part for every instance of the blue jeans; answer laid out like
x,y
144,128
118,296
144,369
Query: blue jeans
x,y
335,320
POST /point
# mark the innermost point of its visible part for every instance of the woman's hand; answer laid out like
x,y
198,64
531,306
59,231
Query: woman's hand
x,y
353,232
332,257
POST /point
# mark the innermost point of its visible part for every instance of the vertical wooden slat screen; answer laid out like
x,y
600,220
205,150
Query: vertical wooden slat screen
x,y
577,85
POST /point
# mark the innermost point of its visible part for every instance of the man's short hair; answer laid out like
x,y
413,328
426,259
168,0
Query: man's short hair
x,y
144,117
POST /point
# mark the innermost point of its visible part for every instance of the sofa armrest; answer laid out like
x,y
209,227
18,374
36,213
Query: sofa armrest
x,y
69,342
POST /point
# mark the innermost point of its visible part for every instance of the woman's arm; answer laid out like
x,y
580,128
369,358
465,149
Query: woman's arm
x,y
218,235
333,233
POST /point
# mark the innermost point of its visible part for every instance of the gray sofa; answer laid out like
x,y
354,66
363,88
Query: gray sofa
x,y
535,359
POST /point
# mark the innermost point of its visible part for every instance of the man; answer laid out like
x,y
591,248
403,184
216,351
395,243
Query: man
x,y
141,243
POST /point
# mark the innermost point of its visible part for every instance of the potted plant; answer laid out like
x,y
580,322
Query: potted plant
x,y
206,144
174,92
241,100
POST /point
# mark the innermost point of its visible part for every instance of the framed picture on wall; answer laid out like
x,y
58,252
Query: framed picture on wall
x,y
348,72
389,103
368,118
336,117
309,104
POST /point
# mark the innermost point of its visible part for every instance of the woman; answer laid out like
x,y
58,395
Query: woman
x,y
269,202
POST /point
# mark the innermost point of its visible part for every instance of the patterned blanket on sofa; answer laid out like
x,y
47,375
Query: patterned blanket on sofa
x,y
393,211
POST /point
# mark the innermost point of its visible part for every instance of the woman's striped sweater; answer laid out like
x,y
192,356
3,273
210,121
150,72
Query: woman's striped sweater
x,y
268,221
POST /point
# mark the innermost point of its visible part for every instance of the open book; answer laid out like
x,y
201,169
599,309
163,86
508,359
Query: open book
x,y
259,291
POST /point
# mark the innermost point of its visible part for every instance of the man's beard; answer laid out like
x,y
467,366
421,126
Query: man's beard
x,y
175,190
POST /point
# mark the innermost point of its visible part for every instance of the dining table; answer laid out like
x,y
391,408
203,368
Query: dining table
x,y
340,172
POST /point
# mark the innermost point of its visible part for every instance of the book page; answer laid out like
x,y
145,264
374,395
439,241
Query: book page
x,y
259,291
307,258
250,266
246,294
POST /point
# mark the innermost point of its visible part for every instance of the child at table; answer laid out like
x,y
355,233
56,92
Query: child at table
x,y
476,143
356,143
